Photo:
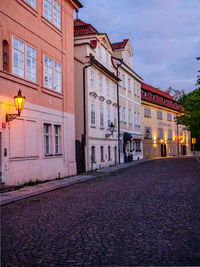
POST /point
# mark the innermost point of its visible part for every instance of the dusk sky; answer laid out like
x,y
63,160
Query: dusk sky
x,y
164,34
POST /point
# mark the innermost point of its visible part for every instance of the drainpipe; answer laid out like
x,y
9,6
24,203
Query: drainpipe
x,y
118,65
84,109
177,139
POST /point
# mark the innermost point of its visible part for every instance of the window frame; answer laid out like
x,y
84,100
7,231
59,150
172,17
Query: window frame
x,y
92,114
102,153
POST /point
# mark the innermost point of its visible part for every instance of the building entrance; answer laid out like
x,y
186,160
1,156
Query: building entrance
x,y
0,158
183,150
163,150
115,153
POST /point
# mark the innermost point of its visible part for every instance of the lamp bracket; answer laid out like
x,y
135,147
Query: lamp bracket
x,y
11,117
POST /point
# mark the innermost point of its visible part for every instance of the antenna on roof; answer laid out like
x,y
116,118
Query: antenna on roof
x,y
76,13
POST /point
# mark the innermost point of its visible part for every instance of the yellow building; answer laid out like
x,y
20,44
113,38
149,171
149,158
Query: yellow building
x,y
162,136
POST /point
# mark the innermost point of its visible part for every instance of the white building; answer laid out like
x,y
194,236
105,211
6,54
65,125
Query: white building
x,y
99,100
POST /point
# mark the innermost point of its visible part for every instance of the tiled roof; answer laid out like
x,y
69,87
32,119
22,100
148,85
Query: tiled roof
x,y
156,96
82,28
119,45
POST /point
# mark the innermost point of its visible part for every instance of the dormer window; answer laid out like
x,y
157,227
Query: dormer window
x,y
145,93
164,100
153,96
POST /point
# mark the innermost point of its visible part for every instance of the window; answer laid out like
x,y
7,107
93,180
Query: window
x,y
101,117
100,83
170,134
129,85
109,119
108,87
145,93
19,65
91,77
146,151
102,154
169,116
119,76
47,139
153,96
154,151
56,14
138,119
147,112
124,115
93,153
120,113
135,118
159,114
114,90
5,56
123,80
115,118
121,146
138,90
109,153
30,63
92,114
99,51
129,116
107,58
52,69
31,3
160,133
147,132
57,139
47,7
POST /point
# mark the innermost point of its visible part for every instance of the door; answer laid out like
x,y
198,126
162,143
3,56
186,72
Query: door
x,y
115,154
183,150
163,150
0,158
80,163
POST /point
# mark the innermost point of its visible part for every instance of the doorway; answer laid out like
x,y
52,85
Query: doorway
x,y
0,157
163,150
115,154
183,150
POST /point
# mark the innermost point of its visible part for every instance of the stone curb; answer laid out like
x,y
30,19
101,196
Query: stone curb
x,y
30,191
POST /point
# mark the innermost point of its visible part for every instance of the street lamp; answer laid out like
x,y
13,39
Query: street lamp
x,y
19,105
111,129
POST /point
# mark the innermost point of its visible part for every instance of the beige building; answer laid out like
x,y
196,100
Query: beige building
x,y
96,99
130,103
162,136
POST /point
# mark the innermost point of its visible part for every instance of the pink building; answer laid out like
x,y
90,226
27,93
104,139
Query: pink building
x,y
36,40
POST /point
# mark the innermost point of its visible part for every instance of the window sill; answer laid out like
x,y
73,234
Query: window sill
x,y
102,160
50,25
148,138
147,116
159,118
24,158
52,156
101,127
109,159
28,7
93,162
92,126
19,80
51,92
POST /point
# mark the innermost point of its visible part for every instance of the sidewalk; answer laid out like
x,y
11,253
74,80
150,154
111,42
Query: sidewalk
x,y
28,191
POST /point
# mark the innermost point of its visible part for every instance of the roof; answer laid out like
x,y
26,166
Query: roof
x,y
82,28
78,3
119,45
159,97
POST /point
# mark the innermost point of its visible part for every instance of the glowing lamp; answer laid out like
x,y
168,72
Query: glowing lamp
x,y
19,105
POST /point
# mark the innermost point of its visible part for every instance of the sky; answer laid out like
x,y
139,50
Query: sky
x,y
164,35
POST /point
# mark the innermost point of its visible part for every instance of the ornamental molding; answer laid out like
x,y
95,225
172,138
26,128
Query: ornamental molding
x,y
93,94
109,101
115,105
101,98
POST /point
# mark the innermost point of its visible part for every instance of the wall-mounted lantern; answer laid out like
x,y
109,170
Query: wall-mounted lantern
x,y
111,129
147,133
19,105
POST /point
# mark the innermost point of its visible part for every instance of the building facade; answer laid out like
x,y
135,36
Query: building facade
x,y
162,136
131,147
96,99
36,37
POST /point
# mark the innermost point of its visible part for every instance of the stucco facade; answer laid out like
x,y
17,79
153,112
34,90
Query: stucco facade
x,y
162,136
36,38
94,49
131,147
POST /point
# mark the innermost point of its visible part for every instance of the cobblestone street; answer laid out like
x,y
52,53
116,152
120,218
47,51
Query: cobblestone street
x,y
145,215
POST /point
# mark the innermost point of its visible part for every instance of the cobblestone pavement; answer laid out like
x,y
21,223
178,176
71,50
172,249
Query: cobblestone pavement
x,y
146,215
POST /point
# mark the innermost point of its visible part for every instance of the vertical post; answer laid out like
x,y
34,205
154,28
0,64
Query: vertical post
x,y
118,117
177,139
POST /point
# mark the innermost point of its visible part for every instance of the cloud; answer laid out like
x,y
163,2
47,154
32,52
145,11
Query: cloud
x,y
164,35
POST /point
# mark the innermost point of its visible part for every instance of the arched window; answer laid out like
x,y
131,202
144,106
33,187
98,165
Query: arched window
x,y
5,56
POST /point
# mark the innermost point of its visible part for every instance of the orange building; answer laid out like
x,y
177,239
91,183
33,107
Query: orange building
x,y
36,40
